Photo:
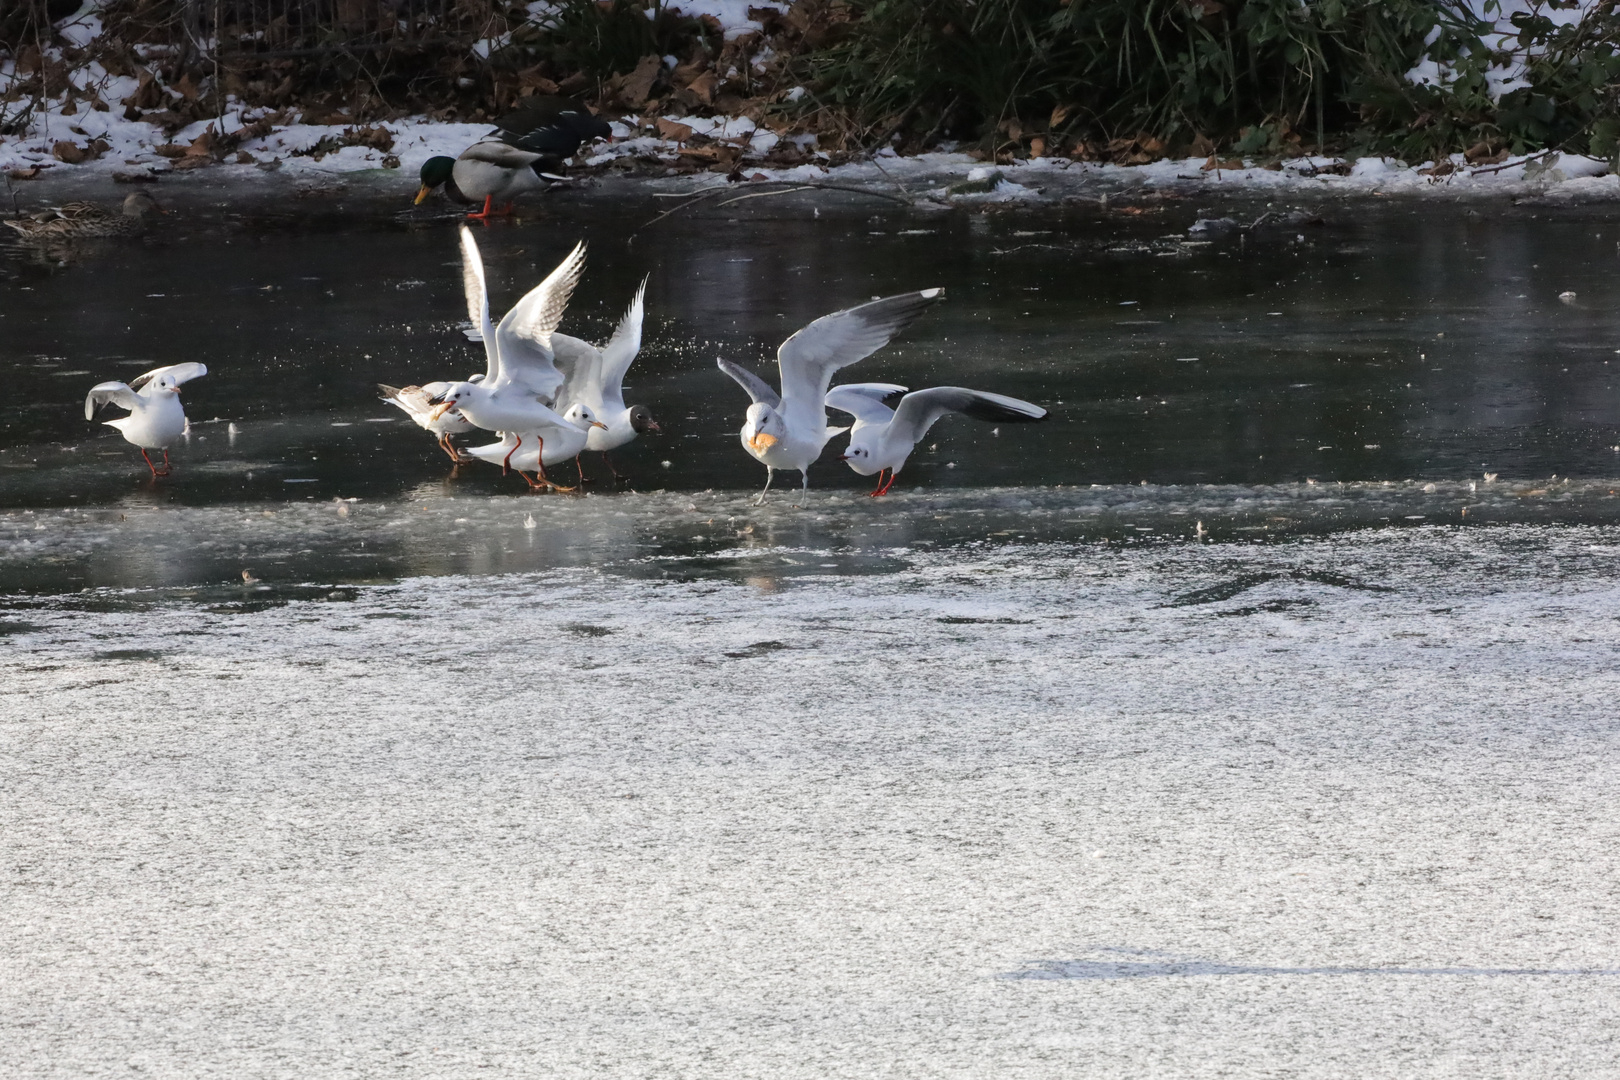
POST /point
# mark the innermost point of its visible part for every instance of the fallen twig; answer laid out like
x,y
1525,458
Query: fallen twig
x,y
791,187
1511,164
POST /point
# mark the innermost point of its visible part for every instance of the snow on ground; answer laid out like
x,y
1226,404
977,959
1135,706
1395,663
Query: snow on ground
x,y
300,151
1327,808
296,152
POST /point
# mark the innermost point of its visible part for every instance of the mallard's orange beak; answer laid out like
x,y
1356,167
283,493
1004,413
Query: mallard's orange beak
x,y
424,193
762,442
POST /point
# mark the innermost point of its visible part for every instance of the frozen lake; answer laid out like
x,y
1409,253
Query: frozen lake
x,y
1337,806
1231,723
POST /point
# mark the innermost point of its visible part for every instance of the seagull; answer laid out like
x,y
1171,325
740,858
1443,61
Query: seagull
x,y
417,402
883,437
545,446
155,417
524,153
788,431
595,378
522,378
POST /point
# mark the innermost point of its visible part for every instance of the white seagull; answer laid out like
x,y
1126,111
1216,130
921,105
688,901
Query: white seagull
x,y
417,403
155,417
595,378
884,437
789,430
546,446
522,379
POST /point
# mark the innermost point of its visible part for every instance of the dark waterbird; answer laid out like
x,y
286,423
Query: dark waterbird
x,y
524,153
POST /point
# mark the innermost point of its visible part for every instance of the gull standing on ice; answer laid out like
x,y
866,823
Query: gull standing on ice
x,y
883,437
155,418
549,446
595,379
789,430
417,403
522,379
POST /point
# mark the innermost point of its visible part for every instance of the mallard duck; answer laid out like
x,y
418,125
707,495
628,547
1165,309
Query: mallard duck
x,y
84,220
524,153
155,417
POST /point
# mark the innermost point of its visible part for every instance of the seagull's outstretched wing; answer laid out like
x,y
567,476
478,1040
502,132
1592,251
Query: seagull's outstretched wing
x,y
115,392
581,365
180,373
809,358
918,411
868,402
621,349
757,388
472,283
524,335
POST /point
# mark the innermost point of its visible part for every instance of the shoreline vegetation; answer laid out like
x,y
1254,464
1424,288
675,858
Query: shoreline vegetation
x,y
735,86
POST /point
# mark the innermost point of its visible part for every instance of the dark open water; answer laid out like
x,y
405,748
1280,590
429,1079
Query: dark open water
x,y
1309,377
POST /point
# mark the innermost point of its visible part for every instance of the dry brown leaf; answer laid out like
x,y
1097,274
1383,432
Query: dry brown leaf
x,y
669,129
703,86
69,152
1037,147
639,83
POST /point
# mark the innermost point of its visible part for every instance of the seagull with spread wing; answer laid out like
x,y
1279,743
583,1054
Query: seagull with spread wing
x,y
522,379
789,430
889,422
155,418
595,379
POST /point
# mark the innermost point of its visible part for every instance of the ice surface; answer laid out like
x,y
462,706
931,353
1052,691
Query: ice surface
x,y
1333,807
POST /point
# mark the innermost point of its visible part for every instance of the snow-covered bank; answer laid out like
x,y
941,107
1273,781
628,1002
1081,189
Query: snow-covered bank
x,y
687,153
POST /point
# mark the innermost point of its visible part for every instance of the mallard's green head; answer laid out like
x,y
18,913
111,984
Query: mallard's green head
x,y
435,171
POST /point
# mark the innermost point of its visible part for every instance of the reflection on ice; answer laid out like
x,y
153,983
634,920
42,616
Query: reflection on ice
x,y
145,540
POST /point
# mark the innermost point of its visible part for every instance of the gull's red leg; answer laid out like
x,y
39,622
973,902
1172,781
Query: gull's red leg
x,y
875,492
617,475
149,464
540,465
506,462
889,485
167,468
580,469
